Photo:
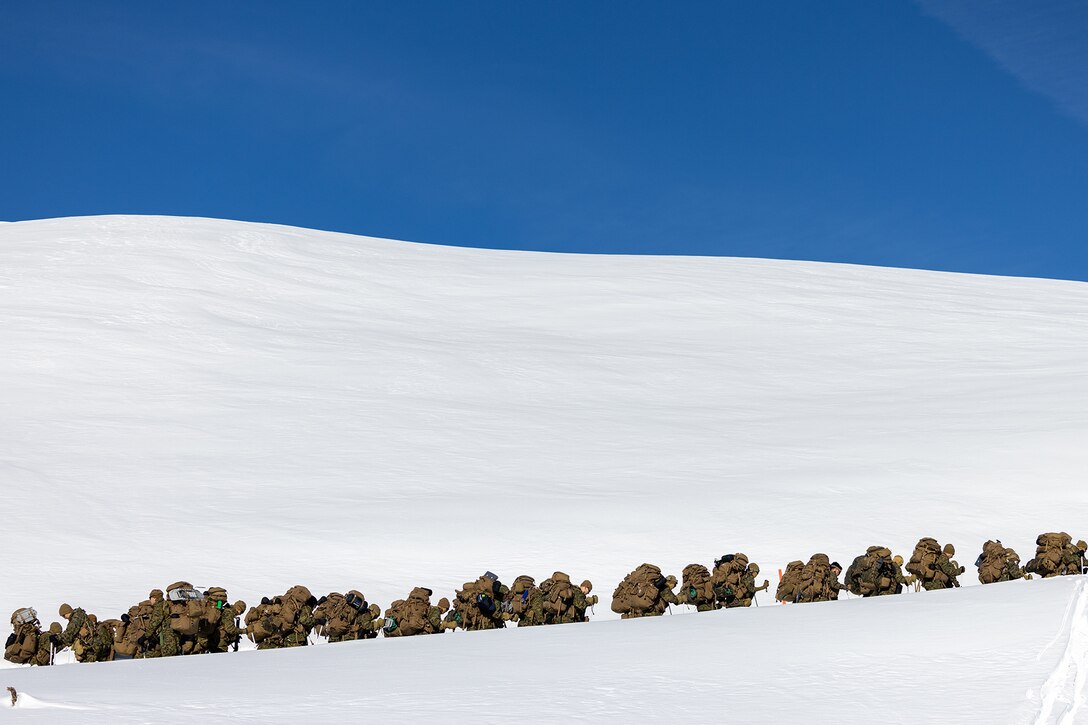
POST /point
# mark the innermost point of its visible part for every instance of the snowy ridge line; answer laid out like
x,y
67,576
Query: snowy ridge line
x,y
1063,693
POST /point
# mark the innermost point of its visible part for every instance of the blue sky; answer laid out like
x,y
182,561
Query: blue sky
x,y
939,134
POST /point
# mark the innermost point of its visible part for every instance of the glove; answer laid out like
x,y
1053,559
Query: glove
x,y
142,641
321,621
125,618
591,600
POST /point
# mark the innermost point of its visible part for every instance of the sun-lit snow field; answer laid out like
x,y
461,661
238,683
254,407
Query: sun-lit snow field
x,y
256,406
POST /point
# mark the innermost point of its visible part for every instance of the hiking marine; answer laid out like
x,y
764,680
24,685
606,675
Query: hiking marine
x,y
697,588
876,573
342,617
998,563
477,605
562,601
645,592
415,615
734,581
933,566
523,603
815,581
1056,555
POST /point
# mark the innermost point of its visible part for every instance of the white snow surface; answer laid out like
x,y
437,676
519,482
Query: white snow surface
x,y
256,406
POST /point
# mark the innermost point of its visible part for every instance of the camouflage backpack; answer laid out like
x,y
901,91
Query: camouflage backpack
x,y
520,593
337,613
215,600
881,562
263,621
393,615
923,562
813,580
140,616
728,576
860,574
723,570
187,609
697,585
638,590
407,617
558,593
790,585
1048,554
294,600
24,641
486,591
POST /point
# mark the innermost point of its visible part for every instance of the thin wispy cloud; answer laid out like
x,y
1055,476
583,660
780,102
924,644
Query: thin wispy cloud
x,y
1043,43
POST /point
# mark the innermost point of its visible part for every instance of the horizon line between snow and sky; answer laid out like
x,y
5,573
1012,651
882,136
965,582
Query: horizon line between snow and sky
x,y
935,135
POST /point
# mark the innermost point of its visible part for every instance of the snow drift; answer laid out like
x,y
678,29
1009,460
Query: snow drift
x,y
257,406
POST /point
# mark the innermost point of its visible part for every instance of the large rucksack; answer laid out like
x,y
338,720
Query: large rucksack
x,y
24,643
521,591
558,594
1049,551
923,562
639,591
337,614
406,617
992,563
263,621
790,585
697,585
885,571
293,601
188,612
813,584
475,605
728,577
862,573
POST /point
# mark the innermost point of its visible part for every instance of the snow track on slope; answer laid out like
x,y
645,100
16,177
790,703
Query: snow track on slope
x,y
1063,693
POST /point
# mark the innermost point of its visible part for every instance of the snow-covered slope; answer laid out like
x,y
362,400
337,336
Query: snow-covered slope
x,y
257,406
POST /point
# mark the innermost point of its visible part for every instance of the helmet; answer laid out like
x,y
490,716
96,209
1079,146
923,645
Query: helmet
x,y
898,560
949,550
65,610
587,585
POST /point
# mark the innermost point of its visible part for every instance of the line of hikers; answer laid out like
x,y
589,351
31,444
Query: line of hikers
x,y
185,620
